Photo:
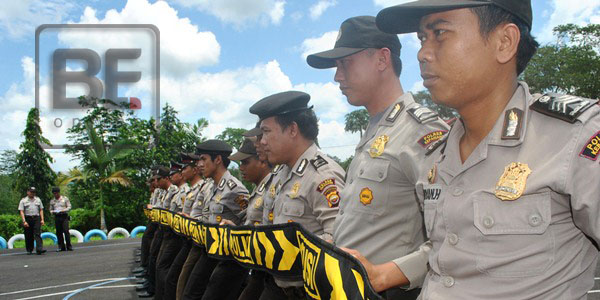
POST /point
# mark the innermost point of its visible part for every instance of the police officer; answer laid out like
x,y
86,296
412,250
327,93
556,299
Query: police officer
x,y
228,198
32,214
156,192
380,215
258,172
191,174
60,207
309,182
509,205
170,191
171,243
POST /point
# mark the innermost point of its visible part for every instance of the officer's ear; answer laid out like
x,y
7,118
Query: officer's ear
x,y
294,129
506,41
384,59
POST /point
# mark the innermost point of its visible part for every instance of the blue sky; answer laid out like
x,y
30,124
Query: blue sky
x,y
218,56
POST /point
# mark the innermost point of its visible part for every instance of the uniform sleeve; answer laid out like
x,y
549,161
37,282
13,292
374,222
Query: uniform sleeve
x,y
21,206
68,204
238,201
52,205
415,265
582,180
40,203
324,199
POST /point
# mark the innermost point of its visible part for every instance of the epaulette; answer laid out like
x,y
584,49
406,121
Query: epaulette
x,y
422,114
318,162
231,184
565,107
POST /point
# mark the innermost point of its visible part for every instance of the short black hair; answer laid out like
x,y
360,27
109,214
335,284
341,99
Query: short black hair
x,y
224,158
490,16
307,121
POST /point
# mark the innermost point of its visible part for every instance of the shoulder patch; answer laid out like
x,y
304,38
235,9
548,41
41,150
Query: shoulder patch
x,y
325,183
565,107
231,184
592,148
318,162
431,137
395,112
422,114
242,201
431,148
302,167
221,184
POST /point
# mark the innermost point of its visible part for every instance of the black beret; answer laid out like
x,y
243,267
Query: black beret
x,y
280,103
246,150
188,158
256,131
163,171
213,147
176,167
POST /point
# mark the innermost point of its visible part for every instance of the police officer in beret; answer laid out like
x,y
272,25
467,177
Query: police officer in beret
x,y
155,192
192,176
32,215
510,207
309,182
171,243
170,190
380,216
60,207
228,199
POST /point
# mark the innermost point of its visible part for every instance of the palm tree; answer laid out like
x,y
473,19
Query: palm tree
x,y
102,165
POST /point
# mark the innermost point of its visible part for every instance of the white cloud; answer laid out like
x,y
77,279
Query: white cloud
x,y
580,12
317,9
183,48
417,87
318,44
335,141
388,3
20,18
411,40
240,12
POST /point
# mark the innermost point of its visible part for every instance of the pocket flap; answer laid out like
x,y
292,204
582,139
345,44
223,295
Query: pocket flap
x,y
530,214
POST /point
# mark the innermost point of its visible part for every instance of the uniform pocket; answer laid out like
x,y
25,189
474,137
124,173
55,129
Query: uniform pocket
x,y
293,209
515,238
216,208
429,211
373,191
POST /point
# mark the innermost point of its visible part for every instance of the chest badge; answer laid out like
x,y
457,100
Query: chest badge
x,y
432,174
366,196
512,182
294,192
258,203
218,198
378,146
272,191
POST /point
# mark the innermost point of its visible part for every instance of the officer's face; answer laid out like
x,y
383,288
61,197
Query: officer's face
x,y
251,169
457,63
260,149
188,172
30,194
356,75
207,165
275,141
176,178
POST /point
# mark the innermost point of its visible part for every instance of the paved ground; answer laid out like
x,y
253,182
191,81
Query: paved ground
x,y
95,270
60,275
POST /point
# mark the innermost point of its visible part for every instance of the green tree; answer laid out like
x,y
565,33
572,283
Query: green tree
x,y
357,121
424,98
232,136
33,162
571,65
8,162
343,163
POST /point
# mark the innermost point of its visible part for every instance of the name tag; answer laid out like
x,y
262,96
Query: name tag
x,y
432,192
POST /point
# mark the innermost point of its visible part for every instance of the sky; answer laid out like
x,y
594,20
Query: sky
x,y
217,58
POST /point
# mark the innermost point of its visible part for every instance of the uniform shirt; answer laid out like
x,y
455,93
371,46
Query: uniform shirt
x,y
155,196
539,245
254,212
165,201
380,215
60,205
31,206
200,199
270,194
179,199
227,200
308,193
191,197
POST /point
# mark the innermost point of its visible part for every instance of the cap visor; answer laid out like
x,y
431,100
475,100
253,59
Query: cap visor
x,y
405,18
239,156
253,132
326,59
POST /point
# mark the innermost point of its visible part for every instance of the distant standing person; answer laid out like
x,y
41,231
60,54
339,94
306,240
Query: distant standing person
x,y
60,207
32,214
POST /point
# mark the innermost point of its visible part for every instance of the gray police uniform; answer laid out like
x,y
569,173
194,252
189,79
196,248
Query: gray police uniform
x,y
270,195
519,219
308,194
227,200
62,204
31,207
197,211
254,212
178,200
380,214
165,201
191,197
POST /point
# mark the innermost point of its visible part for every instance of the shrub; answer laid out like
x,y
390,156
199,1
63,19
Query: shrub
x,y
84,220
10,225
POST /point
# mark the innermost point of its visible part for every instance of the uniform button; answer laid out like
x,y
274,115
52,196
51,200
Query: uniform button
x,y
448,281
452,239
341,212
535,220
351,180
457,192
380,175
488,222
361,172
